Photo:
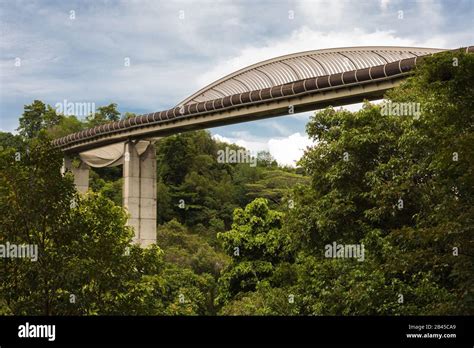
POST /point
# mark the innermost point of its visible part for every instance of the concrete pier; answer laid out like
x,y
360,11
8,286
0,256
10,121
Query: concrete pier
x,y
139,192
139,185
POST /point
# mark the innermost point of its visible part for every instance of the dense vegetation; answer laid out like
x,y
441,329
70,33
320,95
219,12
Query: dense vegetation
x,y
253,240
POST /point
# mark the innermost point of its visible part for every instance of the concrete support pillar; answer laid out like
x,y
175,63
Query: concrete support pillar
x,y
148,196
139,192
81,174
131,187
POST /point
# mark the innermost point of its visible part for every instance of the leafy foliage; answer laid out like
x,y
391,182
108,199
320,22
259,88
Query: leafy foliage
x,y
401,193
256,243
240,240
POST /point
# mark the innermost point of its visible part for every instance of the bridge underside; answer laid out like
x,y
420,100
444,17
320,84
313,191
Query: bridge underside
x,y
344,95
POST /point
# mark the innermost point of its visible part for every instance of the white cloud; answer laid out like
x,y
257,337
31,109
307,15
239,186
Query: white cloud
x,y
289,150
285,150
253,145
327,12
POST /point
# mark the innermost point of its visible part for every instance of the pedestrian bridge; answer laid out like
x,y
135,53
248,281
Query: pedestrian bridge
x,y
280,86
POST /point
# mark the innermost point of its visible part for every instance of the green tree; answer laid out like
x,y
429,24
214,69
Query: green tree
x,y
189,250
274,185
104,114
394,184
9,140
65,126
264,158
86,263
37,117
128,115
257,245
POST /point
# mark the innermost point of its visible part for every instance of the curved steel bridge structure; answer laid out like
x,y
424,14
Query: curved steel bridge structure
x,y
307,81
298,82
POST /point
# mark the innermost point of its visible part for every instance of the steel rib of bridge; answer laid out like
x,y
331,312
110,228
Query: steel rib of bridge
x,y
304,65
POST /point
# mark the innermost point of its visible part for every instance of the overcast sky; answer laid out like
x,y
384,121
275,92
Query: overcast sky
x,y
76,50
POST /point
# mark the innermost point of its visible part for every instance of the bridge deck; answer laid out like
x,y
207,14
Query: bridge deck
x,y
305,94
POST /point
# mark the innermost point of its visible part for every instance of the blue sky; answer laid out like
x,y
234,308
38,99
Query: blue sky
x,y
81,59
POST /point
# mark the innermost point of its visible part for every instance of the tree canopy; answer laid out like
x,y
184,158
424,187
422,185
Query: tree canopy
x,y
376,220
